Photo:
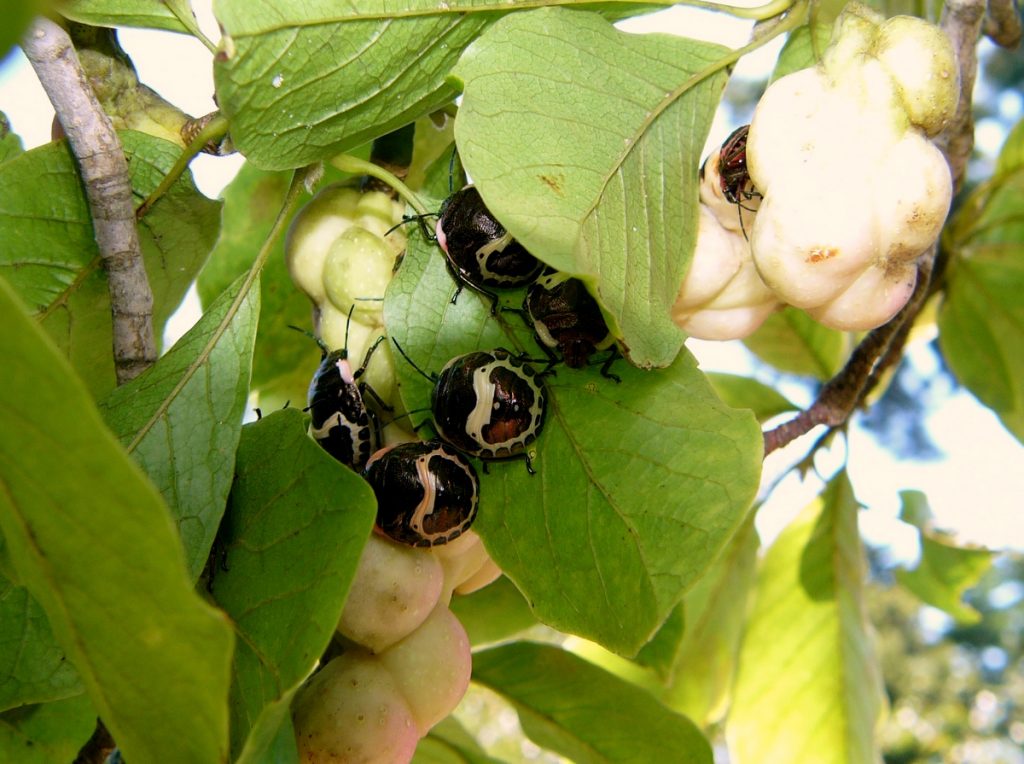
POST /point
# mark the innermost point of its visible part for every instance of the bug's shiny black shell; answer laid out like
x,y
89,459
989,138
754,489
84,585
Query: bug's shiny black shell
x,y
427,493
340,422
566,318
479,249
488,404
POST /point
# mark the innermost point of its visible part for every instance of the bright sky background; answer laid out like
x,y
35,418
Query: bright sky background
x,y
976,489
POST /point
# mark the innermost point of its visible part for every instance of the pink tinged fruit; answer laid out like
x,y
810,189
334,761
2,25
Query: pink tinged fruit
x,y
353,712
395,588
432,667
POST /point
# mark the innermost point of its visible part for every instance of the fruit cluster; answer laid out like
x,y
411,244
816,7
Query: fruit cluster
x,y
836,190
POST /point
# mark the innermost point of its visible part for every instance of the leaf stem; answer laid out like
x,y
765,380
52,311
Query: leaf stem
x,y
214,130
357,166
184,14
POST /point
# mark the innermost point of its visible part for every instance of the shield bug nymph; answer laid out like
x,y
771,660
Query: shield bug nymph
x,y
566,317
427,492
480,251
340,421
489,404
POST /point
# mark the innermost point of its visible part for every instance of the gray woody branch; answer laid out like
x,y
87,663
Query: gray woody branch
x,y
104,172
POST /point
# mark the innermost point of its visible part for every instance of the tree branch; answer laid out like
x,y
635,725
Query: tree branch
x,y
882,347
104,173
1003,25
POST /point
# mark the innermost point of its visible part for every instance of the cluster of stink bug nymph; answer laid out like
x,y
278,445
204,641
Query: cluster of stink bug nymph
x,y
488,404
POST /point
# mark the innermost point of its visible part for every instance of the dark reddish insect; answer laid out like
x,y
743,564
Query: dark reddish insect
x,y
732,167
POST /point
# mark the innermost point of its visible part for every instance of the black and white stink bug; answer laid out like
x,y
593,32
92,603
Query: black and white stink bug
x,y
488,404
480,252
730,185
341,423
427,493
566,318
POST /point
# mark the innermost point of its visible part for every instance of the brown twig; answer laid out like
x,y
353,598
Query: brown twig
x,y
883,347
104,172
1002,24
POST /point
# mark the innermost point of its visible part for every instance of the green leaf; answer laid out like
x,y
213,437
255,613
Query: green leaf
x,y
584,713
48,733
792,341
1011,155
145,14
272,737
716,610
295,528
50,255
33,667
10,143
98,550
448,742
808,689
981,320
300,89
639,484
661,653
599,181
747,393
281,360
181,419
946,569
803,47
494,613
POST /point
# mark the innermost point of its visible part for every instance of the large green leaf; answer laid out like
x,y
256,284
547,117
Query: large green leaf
x,y
281,360
51,259
747,393
599,180
981,321
17,16
181,419
808,689
95,545
291,541
146,14
946,569
584,713
792,341
302,88
803,47
47,733
639,484
33,667
716,610
1011,155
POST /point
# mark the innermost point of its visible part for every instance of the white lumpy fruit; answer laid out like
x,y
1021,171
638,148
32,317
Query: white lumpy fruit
x,y
854,192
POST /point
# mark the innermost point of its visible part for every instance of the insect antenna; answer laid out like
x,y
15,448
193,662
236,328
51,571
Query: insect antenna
x,y
430,378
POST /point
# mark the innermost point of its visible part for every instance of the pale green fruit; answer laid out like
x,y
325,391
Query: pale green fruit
x,y
432,667
353,712
356,272
396,587
333,326
311,234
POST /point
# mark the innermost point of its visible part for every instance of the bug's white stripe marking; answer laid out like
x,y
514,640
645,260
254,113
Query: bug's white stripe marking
x,y
426,507
495,245
480,416
334,420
